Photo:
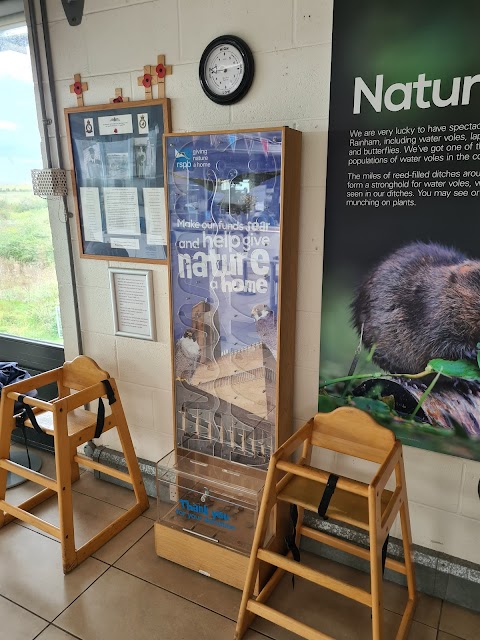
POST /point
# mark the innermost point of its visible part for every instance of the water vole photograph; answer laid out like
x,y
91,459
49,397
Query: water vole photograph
x,y
410,352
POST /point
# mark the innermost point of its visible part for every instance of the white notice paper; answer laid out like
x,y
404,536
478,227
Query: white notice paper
x,y
115,125
155,217
125,243
91,215
121,210
133,312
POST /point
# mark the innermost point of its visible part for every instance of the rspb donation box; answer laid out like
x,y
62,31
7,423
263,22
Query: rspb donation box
x,y
233,234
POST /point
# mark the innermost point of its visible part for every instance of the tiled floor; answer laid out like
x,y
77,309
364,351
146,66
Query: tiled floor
x,y
125,591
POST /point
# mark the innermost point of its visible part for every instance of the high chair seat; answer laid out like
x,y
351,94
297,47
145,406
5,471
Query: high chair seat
x,y
71,426
344,506
370,507
78,420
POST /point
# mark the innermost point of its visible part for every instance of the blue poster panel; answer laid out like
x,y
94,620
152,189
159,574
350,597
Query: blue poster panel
x,y
224,210
400,333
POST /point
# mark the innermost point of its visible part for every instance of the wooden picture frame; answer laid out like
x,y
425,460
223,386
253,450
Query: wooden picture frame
x,y
116,156
132,302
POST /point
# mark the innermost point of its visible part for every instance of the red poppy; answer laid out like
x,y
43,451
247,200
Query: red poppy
x,y
161,70
118,99
77,87
147,80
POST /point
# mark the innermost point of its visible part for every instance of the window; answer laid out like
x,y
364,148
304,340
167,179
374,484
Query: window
x,y
29,305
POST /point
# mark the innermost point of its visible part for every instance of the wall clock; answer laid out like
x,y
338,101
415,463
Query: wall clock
x,y
226,69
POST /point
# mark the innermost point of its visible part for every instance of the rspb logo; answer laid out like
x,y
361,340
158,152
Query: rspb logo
x,y
183,159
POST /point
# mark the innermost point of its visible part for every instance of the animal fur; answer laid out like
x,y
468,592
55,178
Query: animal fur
x,y
421,302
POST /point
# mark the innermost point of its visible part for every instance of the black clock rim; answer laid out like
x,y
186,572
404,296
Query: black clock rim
x,y
248,64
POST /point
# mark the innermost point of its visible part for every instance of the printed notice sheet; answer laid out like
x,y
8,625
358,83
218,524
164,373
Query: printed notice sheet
x,y
115,125
91,215
131,244
155,217
121,211
132,302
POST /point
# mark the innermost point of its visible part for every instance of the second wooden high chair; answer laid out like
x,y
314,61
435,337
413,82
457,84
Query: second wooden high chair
x,y
368,506
71,426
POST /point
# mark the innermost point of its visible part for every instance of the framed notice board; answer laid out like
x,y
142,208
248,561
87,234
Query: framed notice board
x,y
118,183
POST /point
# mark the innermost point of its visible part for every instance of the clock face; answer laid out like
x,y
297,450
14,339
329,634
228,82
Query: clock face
x,y
226,69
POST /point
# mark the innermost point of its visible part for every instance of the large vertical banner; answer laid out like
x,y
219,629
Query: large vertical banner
x,y
224,204
401,294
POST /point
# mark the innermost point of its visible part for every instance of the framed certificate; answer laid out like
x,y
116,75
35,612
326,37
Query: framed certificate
x,y
116,153
132,301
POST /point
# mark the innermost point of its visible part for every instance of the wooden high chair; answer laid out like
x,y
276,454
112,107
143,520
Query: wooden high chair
x,y
71,426
368,506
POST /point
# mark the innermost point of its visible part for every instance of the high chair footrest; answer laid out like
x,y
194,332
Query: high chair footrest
x,y
344,506
102,468
323,580
28,517
29,474
281,619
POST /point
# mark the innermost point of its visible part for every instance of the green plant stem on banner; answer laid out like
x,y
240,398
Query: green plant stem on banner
x,y
425,394
369,376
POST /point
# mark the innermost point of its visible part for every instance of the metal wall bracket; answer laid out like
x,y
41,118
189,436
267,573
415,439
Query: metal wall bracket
x,y
74,11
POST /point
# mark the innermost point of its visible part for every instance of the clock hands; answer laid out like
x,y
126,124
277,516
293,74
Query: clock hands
x,y
224,68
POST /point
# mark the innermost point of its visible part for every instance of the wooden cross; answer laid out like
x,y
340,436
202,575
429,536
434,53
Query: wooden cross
x,y
78,87
119,96
155,76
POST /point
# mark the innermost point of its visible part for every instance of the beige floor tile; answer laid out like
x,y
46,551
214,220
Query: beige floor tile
x,y
54,633
460,622
329,612
123,607
18,624
111,493
19,494
446,636
427,611
332,614
32,575
142,561
104,490
152,511
115,548
90,515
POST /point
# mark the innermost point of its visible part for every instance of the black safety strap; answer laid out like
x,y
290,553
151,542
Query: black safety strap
x,y
384,553
101,408
291,538
27,414
327,495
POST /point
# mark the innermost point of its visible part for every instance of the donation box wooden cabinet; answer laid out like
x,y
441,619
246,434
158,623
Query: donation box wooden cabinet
x,y
233,211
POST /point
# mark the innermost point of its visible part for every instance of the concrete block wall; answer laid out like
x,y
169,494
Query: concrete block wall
x,y
291,42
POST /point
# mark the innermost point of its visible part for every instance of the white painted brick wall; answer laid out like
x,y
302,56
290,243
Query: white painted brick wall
x,y
291,40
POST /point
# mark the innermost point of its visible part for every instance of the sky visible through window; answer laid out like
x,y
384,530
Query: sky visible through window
x,y
28,287
19,136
